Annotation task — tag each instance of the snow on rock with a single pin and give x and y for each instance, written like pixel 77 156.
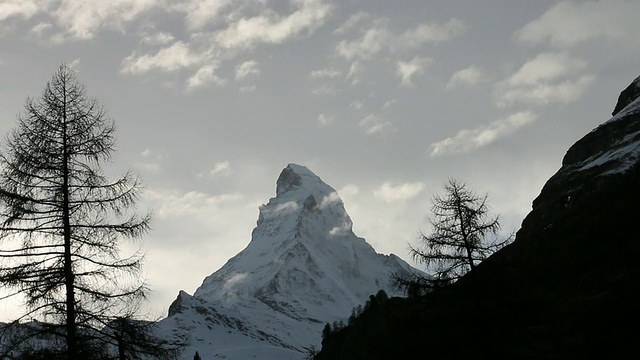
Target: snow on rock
pixel 304 267
pixel 614 146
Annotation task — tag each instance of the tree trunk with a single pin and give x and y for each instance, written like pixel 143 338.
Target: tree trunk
pixel 69 276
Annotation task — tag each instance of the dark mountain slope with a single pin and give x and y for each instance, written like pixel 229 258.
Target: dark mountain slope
pixel 567 288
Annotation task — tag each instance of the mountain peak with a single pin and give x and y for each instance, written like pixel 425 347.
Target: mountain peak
pixel 303 267
pixel 297 177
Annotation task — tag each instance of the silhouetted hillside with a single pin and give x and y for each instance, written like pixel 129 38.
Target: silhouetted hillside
pixel 566 288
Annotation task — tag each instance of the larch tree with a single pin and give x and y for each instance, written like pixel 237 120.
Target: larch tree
pixel 463 234
pixel 62 224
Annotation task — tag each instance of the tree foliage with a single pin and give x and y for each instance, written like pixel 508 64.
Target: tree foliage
pixel 63 222
pixel 463 234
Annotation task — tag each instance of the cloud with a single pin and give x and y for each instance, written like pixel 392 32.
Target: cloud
pixel 569 23
pixel 175 57
pixel 354 70
pixel 356 105
pixel 374 125
pixel 470 76
pixel 407 70
pixel 247 89
pixel 193 204
pixel 156 38
pixel 246 69
pixel 201 12
pixel 398 193
pixel 324 73
pixel 271 28
pixel 467 140
pixel 82 19
pixel 204 76
pixel 548 78
pixel 352 22
pixel 220 168
pixel 389 103
pixel 325 90
pixel 324 120
pixel 378 38
pixel 20 8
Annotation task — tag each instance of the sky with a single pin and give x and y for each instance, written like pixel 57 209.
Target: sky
pixel 384 100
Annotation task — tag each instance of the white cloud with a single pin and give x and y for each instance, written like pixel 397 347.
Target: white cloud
pixel 470 76
pixel 390 193
pixel 352 22
pixel 354 70
pixel 324 73
pixel 247 89
pixel 407 70
pixel 349 190
pixel 325 90
pixel 356 105
pixel 389 103
pixel 467 140
pixel 246 69
pixel 204 76
pixel 20 8
pixel 378 39
pixel 546 67
pixel 201 12
pixel 374 125
pixel 82 19
pixel 569 23
pixel 221 168
pixel 324 120
pixel 175 57
pixel 192 204
pixel 548 78
pixel 271 28
pixel 372 42
pixel 156 38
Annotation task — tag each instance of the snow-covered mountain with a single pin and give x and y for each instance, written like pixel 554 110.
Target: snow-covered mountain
pixel 304 267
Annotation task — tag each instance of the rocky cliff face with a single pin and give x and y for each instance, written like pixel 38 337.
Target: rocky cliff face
pixel 566 287
pixel 304 267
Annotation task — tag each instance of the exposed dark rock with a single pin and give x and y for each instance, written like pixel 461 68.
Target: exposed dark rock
pixel 627 96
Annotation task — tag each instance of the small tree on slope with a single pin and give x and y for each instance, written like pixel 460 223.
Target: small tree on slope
pixel 461 227
pixel 62 222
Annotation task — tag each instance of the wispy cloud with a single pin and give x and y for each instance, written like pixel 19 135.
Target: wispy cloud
pixel 376 125
pixel 20 8
pixel 390 193
pixel 174 57
pixel 220 168
pixel 324 120
pixel 206 75
pixel 171 204
pixel 379 38
pixel 271 28
pixel 548 78
pixel 352 22
pixel 156 38
pixel 246 69
pixel 83 19
pixel 408 70
pixel 568 23
pixel 324 73
pixel 199 13
pixel 468 140
pixel 470 76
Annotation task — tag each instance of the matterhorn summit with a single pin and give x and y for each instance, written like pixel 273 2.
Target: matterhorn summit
pixel 304 267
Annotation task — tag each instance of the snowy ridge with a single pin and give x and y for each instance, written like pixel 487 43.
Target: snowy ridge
pixel 304 267
pixel 625 152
